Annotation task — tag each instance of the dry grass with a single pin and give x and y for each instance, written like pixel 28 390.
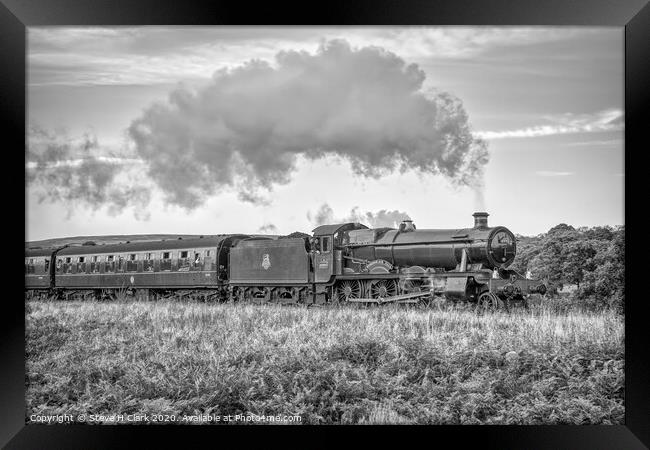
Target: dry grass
pixel 380 365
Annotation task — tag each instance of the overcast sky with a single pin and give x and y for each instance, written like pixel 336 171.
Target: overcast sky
pixel 207 130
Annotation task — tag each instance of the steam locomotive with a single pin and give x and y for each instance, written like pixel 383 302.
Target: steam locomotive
pixel 344 263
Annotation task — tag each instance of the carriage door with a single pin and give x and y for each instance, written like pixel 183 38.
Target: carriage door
pixel 323 259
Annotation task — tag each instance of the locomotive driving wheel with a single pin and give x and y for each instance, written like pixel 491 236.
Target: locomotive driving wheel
pixel 488 302
pixel 348 289
pixel 383 289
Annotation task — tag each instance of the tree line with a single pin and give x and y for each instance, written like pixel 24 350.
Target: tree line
pixel 591 259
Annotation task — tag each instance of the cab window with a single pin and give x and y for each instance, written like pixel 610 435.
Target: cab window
pixel 326 244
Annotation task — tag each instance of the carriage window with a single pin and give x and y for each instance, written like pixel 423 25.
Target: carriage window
pixel 110 263
pixel 132 265
pixel 147 264
pixel 68 260
pixel 184 261
pixel 94 266
pixel 81 264
pixel 207 253
pixel 47 264
pixel 166 263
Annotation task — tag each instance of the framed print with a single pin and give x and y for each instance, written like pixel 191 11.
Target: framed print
pixel 376 214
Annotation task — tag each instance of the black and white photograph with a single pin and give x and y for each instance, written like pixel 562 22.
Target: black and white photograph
pixel 325 225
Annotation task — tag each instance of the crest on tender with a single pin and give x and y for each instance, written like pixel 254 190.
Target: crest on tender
pixel 266 261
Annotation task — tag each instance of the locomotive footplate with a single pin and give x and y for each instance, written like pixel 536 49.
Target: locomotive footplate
pixel 404 298
pixel 368 276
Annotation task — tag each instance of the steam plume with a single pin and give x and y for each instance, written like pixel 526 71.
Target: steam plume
pixel 78 171
pixel 268 228
pixel 245 129
pixel 382 218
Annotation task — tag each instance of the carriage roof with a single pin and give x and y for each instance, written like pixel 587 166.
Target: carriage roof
pixel 143 246
pixel 37 251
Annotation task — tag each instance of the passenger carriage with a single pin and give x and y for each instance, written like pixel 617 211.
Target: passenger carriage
pixel 196 268
pixel 37 272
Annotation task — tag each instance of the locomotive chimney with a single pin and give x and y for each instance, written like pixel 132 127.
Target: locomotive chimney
pixel 480 219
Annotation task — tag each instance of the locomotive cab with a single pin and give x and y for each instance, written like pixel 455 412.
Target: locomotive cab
pixel 327 256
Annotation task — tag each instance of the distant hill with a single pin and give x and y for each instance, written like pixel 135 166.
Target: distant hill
pixel 107 239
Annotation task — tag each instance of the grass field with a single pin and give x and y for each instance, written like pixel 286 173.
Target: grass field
pixel 379 365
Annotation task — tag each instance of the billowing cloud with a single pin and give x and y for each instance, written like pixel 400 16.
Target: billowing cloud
pixel 382 218
pixel 606 120
pixel 245 129
pixel 79 172
pixel 599 143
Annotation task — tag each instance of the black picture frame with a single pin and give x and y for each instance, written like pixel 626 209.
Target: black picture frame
pixel 16 15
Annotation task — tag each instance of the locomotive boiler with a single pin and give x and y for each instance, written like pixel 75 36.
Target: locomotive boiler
pixel 474 248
